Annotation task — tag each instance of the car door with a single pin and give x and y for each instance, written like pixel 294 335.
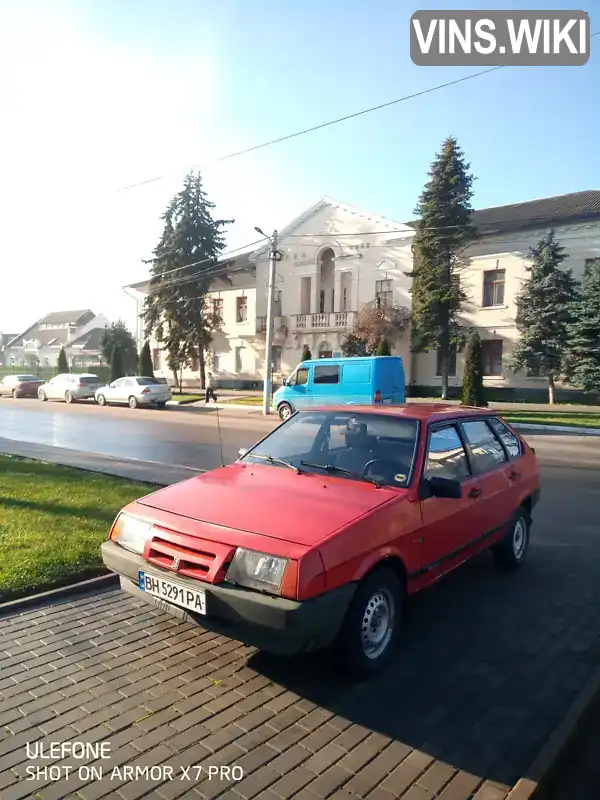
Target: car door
pixel 488 462
pixel 53 388
pixel 116 391
pixel 449 525
pixel 325 387
pixel 298 385
pixel 513 467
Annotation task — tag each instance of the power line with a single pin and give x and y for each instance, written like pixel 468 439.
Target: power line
pixel 328 124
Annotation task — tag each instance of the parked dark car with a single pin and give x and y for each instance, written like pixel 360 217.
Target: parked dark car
pixel 20 386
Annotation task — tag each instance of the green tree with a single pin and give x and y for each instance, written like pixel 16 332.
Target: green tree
pixel 63 364
pixel 145 366
pixel 544 313
pixel 117 369
pixel 353 345
pixel 306 354
pixel 582 364
pixel 383 348
pixel 177 310
pixel 443 232
pixel 118 336
pixel 473 392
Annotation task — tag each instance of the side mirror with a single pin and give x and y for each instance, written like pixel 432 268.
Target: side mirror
pixel 284 382
pixel 445 487
pixel 242 451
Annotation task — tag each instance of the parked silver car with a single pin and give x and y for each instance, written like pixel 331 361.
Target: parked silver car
pixel 20 386
pixel 135 391
pixel 70 387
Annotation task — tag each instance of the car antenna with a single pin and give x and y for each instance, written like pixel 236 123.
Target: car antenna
pixel 220 437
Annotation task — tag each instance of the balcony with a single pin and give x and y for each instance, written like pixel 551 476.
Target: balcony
pixel 280 330
pixel 332 321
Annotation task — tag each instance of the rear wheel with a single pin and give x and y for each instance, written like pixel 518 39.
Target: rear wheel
pixel 133 403
pixel 511 552
pixel 42 395
pixel 101 400
pixel 370 632
pixel 285 411
pixel 68 397
pixel 15 394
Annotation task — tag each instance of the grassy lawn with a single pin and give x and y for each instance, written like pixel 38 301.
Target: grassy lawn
pixel 575 419
pixel 52 522
pixel 253 400
pixel 187 398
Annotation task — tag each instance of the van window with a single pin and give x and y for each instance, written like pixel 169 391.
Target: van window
pixel 299 378
pixel 357 373
pixel 328 374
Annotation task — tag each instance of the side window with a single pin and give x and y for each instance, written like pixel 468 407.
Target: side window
pixel 301 377
pixel 508 439
pixel 328 374
pixel 119 383
pixel 487 450
pixel 446 457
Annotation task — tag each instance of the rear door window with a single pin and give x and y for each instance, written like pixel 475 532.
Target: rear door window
pixel 486 450
pixel 329 374
pixel 508 439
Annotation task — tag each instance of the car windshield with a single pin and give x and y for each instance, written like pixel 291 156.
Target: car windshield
pixel 147 381
pixel 376 447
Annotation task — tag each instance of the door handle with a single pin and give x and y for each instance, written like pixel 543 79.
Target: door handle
pixel 514 475
pixel 475 492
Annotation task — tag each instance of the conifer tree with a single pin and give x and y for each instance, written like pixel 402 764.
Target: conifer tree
pixel 582 364
pixel 473 392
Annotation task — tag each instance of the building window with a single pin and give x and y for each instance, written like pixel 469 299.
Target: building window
pixel 345 298
pixel 384 293
pixel 493 287
pixel 215 361
pixel 276 362
pixel 322 301
pixel 195 364
pixel 241 309
pixel 492 356
pixel 238 359
pixel 156 358
pixel 451 361
pixel 218 307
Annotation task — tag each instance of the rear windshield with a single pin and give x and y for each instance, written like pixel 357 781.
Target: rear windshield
pixel 87 379
pixel 147 381
pixel 25 378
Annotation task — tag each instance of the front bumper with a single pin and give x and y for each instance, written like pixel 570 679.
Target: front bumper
pixel 273 624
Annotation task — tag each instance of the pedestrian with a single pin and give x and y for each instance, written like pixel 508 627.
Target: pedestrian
pixel 210 392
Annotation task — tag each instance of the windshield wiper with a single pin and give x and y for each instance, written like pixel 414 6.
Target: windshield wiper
pixel 332 468
pixel 272 460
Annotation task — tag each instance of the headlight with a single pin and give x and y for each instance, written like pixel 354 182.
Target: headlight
pixel 131 533
pixel 256 570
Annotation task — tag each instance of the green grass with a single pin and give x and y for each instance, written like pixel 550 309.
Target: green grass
pixel 581 419
pixel 52 522
pixel 187 398
pixel 253 400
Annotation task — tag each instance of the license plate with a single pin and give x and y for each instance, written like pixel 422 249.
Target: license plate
pixel 172 592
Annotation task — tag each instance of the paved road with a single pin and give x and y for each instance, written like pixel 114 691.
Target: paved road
pixel 183 437
pixel 490 665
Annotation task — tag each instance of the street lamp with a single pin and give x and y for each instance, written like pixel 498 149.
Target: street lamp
pixel 274 256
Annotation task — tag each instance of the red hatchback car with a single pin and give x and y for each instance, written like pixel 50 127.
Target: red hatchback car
pixel 317 534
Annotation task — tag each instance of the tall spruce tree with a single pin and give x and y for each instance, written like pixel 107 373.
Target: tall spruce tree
pixel 117 369
pixel 383 348
pixel 443 231
pixel 145 366
pixel 473 392
pixel 63 363
pixel 118 335
pixel 582 365
pixel 177 310
pixel 545 308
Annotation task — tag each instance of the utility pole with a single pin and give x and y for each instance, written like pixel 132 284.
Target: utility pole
pixel 274 256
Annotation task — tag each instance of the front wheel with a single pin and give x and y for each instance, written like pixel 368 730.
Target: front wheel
pixel 133 403
pixel 68 397
pixel 511 552
pixel 285 411
pixel 15 394
pixel 101 400
pixel 42 395
pixel 370 632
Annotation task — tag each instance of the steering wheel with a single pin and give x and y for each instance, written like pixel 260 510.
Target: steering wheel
pixel 393 465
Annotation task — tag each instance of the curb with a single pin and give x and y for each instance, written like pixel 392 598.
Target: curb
pixel 72 588
pixel 539 428
pixel 548 759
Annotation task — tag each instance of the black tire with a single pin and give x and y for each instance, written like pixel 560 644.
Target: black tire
pixel 285 411
pixel 101 400
pixel 42 396
pixel 69 397
pixel 511 552
pixel 352 643
pixel 162 404
pixel 132 402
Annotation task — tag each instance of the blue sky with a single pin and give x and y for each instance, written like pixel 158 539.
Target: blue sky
pixel 103 93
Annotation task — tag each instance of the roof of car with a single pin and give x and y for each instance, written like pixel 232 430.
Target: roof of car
pixel 421 411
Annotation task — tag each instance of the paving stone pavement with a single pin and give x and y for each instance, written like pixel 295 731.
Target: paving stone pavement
pixel 490 664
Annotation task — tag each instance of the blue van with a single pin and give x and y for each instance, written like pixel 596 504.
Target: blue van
pixel 341 381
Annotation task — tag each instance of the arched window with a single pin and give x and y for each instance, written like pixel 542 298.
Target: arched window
pixel 325 350
pixel 326 280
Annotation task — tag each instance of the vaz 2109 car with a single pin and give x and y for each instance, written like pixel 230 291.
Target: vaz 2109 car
pixel 316 535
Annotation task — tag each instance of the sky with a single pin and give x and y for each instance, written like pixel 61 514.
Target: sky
pixel 96 95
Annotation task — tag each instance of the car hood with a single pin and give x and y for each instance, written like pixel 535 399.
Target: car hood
pixel 271 501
